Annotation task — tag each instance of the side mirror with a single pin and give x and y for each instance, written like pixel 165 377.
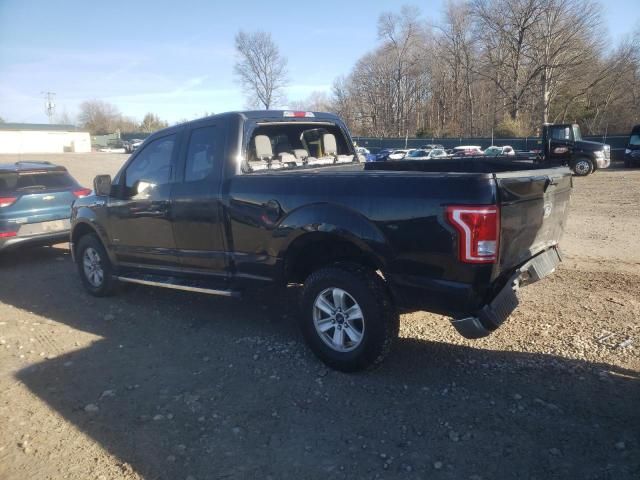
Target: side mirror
pixel 102 185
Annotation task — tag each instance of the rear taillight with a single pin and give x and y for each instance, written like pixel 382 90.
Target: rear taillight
pixel 6 201
pixel 82 192
pixel 8 234
pixel 478 232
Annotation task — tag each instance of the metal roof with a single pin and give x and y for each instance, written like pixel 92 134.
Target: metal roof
pixel 38 127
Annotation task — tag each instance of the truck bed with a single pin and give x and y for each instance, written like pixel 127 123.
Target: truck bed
pixel 457 165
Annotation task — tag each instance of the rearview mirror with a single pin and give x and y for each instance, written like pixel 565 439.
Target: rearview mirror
pixel 102 185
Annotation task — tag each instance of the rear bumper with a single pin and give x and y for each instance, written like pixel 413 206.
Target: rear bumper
pixel 494 314
pixel 34 240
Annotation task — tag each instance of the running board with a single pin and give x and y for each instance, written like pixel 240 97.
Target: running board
pixel 178 286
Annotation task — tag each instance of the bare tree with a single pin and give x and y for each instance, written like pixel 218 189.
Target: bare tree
pixel 63 118
pixel 456 47
pixel 492 65
pixel 315 102
pixel 403 38
pixel 506 28
pixel 99 117
pixel 261 69
pixel 151 122
pixel 567 36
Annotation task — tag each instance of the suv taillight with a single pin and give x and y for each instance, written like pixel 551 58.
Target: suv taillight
pixel 478 232
pixel 7 201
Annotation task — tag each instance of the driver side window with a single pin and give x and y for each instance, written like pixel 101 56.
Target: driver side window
pixel 152 166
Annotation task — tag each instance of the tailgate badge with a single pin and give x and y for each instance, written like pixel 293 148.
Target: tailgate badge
pixel 48 197
pixel 547 209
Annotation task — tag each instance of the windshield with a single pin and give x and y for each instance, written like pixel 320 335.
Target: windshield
pixel 634 140
pixel 417 153
pixel 576 133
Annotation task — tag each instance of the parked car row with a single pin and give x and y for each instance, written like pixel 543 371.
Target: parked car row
pixel 120 146
pixel 436 151
pixel 559 144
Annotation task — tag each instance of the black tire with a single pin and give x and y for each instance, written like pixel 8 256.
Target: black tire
pixel 582 167
pixel 91 243
pixel 380 319
pixel 627 163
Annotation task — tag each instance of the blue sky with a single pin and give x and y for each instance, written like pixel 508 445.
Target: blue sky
pixel 176 58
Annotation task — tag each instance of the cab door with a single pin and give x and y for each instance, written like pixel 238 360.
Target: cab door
pixel 560 144
pixel 197 211
pixel 140 211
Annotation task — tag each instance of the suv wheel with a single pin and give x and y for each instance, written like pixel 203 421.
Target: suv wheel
pixel 348 319
pixel 94 266
pixel 582 167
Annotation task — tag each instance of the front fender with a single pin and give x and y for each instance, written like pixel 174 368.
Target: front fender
pixel 338 221
pixel 83 217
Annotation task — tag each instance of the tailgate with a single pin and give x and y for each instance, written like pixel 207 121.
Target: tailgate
pixel 533 212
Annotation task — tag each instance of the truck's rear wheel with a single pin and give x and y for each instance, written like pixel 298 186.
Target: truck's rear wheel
pixel 582 167
pixel 94 266
pixel 348 319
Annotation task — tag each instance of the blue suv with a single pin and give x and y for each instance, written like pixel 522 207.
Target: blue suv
pixel 35 203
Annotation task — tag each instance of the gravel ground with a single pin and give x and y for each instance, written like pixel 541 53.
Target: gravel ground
pixel 158 384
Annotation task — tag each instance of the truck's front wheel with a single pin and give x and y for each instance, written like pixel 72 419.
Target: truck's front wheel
pixel 94 266
pixel 348 318
pixel 582 167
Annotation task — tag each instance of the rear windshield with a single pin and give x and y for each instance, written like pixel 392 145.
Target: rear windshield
pixel 296 145
pixel 12 182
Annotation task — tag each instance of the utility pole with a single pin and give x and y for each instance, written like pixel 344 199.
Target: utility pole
pixel 49 105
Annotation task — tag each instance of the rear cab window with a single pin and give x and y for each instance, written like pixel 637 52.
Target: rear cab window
pixel 203 154
pixel 295 145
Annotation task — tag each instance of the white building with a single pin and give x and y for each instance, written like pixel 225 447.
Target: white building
pixel 42 138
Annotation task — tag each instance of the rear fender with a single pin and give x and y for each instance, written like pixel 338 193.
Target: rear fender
pixel 339 222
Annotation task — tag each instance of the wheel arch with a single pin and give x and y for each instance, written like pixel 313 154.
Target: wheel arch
pixel 320 234
pixel 84 227
pixel 311 251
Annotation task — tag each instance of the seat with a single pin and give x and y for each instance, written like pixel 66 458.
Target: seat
pixel 329 144
pixel 263 148
pixel 300 153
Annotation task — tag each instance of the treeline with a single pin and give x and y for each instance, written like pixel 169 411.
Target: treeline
pixel 99 117
pixel 490 65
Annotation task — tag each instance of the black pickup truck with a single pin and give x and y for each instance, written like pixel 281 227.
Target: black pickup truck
pixel 245 200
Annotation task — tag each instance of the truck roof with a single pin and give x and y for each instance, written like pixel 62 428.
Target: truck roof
pixel 258 115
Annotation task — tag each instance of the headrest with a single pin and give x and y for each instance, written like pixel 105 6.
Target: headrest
pixel 329 142
pixel 263 147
